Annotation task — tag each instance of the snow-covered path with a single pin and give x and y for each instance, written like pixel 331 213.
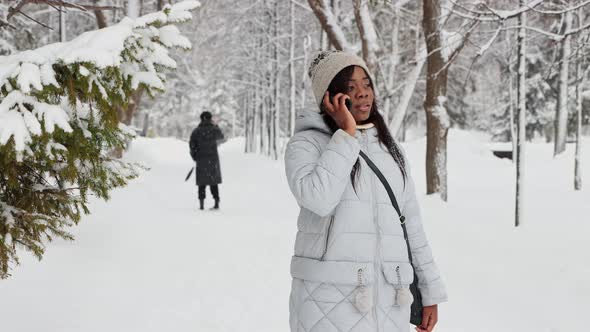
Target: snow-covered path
pixel 148 260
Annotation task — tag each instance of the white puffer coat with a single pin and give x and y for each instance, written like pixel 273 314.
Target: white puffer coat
pixel 350 256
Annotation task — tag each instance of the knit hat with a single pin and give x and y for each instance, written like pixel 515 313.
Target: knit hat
pixel 326 65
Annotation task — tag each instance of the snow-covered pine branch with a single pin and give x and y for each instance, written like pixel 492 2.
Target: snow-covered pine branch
pixel 118 58
pixel 58 122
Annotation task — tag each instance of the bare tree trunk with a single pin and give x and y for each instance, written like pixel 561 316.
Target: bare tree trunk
pixel 277 83
pixel 511 109
pixel 133 8
pixel 578 167
pixel 132 106
pixel 368 35
pixel 401 109
pixel 247 121
pixel 146 124
pixel 292 69
pixel 62 25
pixel 521 95
pixel 323 38
pixel 328 21
pixel 581 80
pixel 233 122
pixel 101 20
pixel 256 116
pixel 262 124
pixel 562 100
pixel 306 46
pixel 268 122
pixel 437 120
pixel 256 110
pixel 394 62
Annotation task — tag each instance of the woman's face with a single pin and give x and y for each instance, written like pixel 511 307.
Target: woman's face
pixel 361 94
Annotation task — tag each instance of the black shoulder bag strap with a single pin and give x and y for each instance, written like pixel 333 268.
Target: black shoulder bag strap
pixel 416 312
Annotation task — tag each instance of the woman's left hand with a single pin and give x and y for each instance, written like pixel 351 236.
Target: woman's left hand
pixel 429 318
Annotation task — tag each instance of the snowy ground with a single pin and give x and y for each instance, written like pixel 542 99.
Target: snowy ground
pixel 148 260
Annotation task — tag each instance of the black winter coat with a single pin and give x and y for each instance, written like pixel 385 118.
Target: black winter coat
pixel 203 148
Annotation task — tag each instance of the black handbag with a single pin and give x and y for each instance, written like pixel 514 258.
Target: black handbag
pixel 416 307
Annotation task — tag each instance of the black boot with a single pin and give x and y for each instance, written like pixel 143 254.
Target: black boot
pixel 216 206
pixel 202 204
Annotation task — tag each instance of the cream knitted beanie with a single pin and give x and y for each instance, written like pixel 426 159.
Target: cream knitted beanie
pixel 326 66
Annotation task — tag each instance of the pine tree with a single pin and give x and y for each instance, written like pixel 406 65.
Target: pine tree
pixel 58 123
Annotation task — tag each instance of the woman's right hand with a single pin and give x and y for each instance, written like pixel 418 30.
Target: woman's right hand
pixel 339 112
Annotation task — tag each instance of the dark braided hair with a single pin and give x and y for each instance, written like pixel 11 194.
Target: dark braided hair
pixel 339 85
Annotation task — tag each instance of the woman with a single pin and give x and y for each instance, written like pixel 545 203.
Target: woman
pixel 351 270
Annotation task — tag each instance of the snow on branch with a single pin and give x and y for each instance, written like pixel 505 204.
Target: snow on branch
pixel 490 14
pixel 64 4
pixel 56 4
pixel 485 13
pixel 367 32
pixel 329 23
pixel 34 91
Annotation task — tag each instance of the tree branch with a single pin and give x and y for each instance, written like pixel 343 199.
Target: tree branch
pixel 496 13
pixel 5 23
pixel 30 18
pixel 559 12
pixel 67 4
pixel 53 3
pixel 330 26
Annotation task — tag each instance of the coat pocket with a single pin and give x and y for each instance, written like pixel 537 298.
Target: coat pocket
pixel 399 276
pixel 327 237
pixel 330 285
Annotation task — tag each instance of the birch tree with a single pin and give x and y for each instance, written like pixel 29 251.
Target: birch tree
pixel 561 115
pixel 581 80
pixel 521 119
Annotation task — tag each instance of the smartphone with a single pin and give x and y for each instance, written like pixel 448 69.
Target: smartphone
pixel 347 102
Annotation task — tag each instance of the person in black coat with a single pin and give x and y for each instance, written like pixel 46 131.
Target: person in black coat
pixel 203 149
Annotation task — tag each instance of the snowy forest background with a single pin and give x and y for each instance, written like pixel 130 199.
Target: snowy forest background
pixel 249 60
pixel 98 99
pixel 516 71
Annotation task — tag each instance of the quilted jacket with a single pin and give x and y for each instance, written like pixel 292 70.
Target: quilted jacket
pixel 350 256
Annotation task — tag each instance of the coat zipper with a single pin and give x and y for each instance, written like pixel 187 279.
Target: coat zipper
pixel 327 237
pixel 377 257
